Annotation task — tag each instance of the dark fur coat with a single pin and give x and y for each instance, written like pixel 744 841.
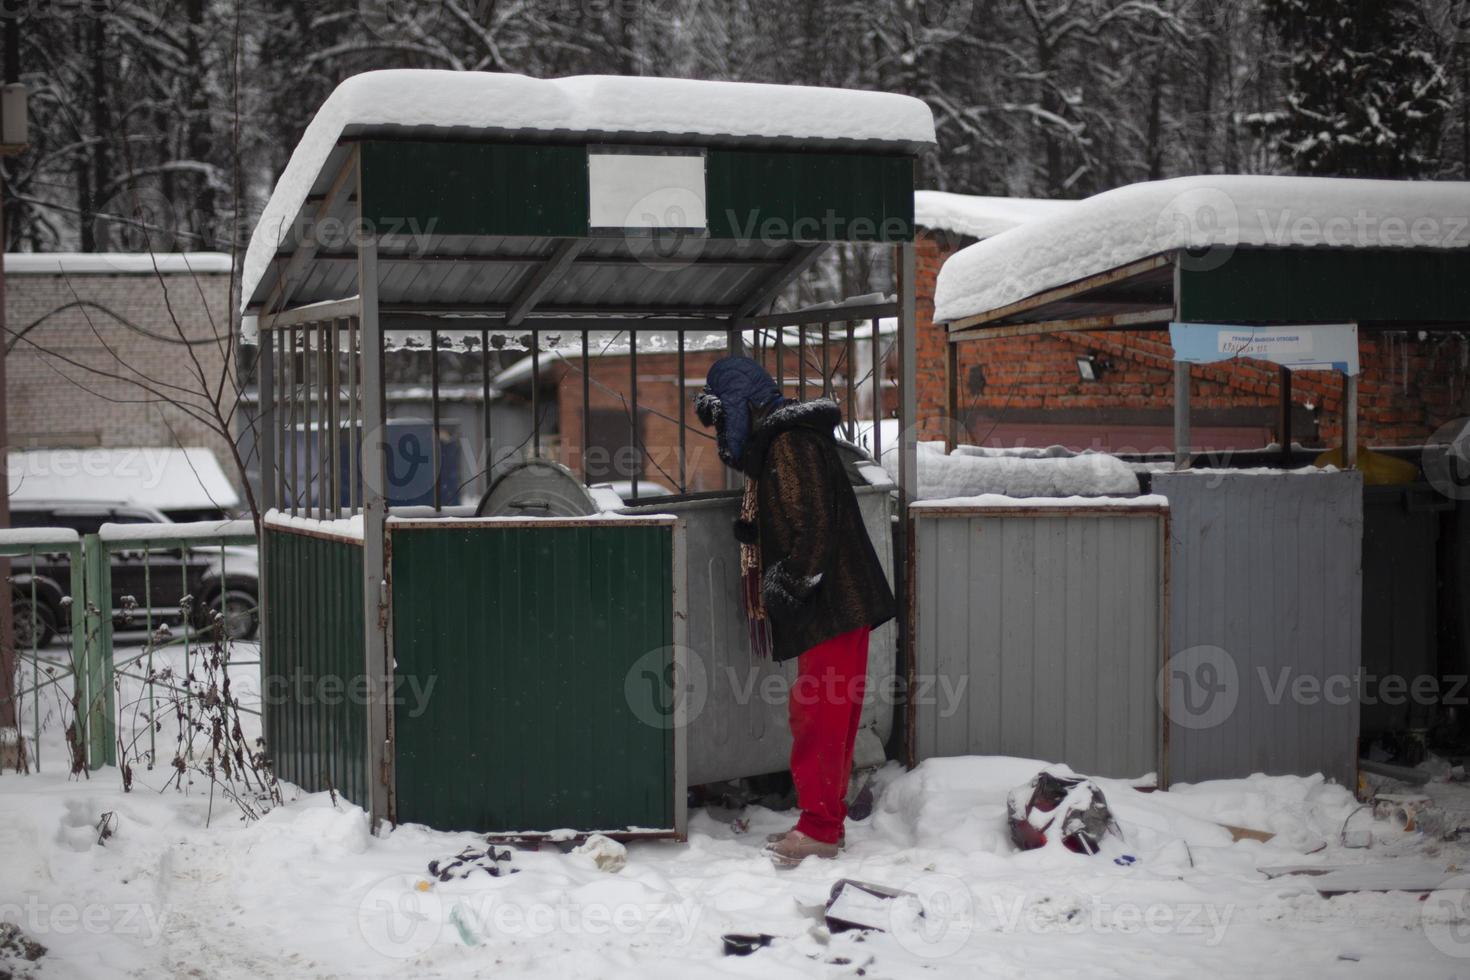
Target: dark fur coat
pixel 821 577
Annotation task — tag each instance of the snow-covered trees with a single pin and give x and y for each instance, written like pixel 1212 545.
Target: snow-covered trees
pixel 1367 98
pixel 165 122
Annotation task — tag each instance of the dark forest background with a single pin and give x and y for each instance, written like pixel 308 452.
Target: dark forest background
pixel 163 123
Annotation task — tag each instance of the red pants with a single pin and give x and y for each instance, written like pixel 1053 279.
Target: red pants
pixel 826 705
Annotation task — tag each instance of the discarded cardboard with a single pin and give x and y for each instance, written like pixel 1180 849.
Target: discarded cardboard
pixel 1246 833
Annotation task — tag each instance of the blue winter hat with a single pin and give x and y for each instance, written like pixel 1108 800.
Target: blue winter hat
pixel 734 386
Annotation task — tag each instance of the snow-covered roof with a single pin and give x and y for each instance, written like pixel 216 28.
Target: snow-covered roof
pixel 1131 223
pixel 602 105
pixel 116 263
pixel 166 478
pixel 979 216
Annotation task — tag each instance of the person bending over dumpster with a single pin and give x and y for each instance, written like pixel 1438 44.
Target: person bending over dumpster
pixel 813 585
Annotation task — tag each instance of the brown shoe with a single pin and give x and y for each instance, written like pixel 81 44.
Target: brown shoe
pixel 796 847
pixel 781 835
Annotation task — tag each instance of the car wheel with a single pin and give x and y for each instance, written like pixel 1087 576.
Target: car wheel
pixel 31 630
pixel 241 619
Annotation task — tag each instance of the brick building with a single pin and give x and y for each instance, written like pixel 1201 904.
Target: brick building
pixel 1030 390
pixel 100 344
pixel 616 453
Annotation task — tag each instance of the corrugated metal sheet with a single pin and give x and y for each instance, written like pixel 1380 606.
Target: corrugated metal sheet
pixel 1039 634
pixel 528 636
pixel 741 728
pixel 1265 622
pixel 315 717
pixel 1400 611
pixel 431 201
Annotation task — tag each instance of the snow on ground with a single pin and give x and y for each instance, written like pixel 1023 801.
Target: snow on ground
pixel 1218 212
pixel 308 891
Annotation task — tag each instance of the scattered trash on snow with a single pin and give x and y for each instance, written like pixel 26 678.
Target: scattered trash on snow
pixel 738 944
pixel 1246 833
pixel 490 860
pixel 862 905
pixel 607 854
pixel 1072 803
pixel 17 951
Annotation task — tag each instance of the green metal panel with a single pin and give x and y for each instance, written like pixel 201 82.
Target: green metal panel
pixel 475 188
pixel 98 700
pixel 810 196
pixel 1329 285
pixel 527 635
pixel 314 682
pixel 531 189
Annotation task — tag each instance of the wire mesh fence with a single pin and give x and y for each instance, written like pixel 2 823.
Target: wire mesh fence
pixel 115 631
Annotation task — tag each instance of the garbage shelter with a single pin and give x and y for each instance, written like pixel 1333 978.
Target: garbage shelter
pixel 1162 641
pixel 526 671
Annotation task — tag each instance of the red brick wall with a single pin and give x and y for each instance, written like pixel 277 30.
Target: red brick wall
pixel 659 392
pixel 1409 387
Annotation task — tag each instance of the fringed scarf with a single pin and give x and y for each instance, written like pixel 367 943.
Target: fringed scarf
pixel 750 577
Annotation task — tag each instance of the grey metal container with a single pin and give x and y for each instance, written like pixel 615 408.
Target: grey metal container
pixel 1264 636
pixel 737 704
pixel 1040 632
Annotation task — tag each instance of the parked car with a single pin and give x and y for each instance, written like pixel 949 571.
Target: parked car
pixel 157 585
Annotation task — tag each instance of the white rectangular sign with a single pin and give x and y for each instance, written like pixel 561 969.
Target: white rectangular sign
pixel 1311 347
pixel 646 190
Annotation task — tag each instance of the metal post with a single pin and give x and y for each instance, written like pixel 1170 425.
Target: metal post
pixel 434 413
pixel 877 394
pixel 586 406
pixel 486 446
pixel 1283 423
pixel 682 394
pixel 850 364
pixel 826 359
pixel 148 625
pixel 97 653
pixel 801 362
pixel 781 359
pixel 1181 415
pixel 634 441
pixel 80 671
pixel 951 394
pixel 354 418
pixel 334 416
pixel 308 408
pixel 908 476
pixel 536 394
pixel 278 338
pixel 378 658
pixel 296 448
pixel 265 422
pixel 1350 421
pixel 322 386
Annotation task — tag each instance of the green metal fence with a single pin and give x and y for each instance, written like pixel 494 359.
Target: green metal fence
pixel 514 644
pixel 85 613
pixel 315 695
